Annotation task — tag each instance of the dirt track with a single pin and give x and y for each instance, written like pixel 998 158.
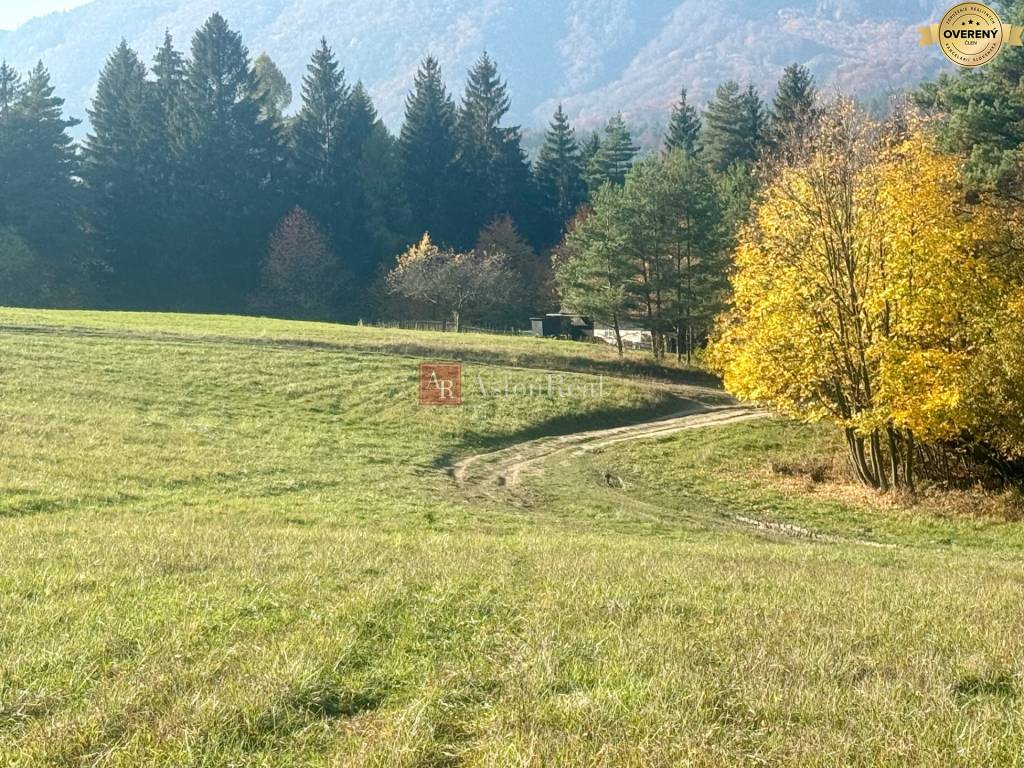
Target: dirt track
pixel 504 467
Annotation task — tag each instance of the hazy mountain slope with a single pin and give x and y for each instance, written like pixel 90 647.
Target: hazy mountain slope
pixel 597 56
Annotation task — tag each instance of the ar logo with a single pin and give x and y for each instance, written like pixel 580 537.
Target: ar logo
pixel 440 384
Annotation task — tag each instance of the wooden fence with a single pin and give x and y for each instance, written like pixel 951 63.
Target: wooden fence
pixel 437 325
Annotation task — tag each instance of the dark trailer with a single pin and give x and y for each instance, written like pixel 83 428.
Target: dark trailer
pixel 561 326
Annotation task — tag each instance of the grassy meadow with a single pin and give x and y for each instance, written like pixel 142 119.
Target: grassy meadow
pixel 234 542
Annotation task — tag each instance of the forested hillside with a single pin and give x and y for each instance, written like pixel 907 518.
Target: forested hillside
pixel 597 57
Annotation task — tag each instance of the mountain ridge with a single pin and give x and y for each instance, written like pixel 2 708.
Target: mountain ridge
pixel 596 58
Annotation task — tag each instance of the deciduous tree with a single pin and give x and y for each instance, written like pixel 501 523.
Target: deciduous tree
pixel 865 293
pixel 459 285
pixel 299 276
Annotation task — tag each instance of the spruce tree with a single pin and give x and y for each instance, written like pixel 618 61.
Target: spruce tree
pixel 794 109
pixel 166 125
pixel 10 95
pixel 40 197
pixel 231 157
pixel 755 120
pixel 384 213
pixel 614 157
pixel 10 89
pixel 493 175
pixel 559 175
pixel 683 128
pixel 734 126
pixel 588 149
pixel 362 116
pixel 376 186
pixel 116 168
pixel 323 174
pixel 427 146
pixel 169 71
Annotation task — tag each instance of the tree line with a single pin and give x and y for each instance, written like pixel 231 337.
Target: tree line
pixel 192 190
pixel 653 251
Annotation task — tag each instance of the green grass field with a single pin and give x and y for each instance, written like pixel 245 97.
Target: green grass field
pixel 233 542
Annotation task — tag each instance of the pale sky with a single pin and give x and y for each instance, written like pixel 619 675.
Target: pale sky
pixel 16 12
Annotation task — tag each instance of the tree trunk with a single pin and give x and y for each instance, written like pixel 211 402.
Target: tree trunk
pixel 689 338
pixel 908 461
pixel 618 334
pixel 894 456
pixel 876 462
pixel 859 459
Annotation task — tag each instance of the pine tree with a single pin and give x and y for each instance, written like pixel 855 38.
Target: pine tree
pixel 231 157
pixel 697 242
pixel 427 146
pixel 592 270
pixel 614 157
pixel 794 109
pixel 559 174
pixel 683 128
pixel 117 170
pixel 981 115
pixel 734 126
pixel 493 175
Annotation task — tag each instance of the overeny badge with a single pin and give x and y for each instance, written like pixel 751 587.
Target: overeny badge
pixel 970 34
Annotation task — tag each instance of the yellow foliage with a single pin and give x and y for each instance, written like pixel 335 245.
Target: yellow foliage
pixel 871 291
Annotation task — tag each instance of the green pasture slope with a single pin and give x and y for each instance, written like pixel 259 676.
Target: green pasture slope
pixel 233 542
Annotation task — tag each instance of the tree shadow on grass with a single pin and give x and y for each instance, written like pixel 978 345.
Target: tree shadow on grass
pixel 538 359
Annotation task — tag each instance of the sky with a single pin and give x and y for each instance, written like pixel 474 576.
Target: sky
pixel 16 12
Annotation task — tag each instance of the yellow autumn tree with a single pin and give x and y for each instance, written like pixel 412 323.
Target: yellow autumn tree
pixel 865 291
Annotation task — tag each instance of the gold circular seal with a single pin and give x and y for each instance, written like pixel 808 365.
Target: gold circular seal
pixel 970 34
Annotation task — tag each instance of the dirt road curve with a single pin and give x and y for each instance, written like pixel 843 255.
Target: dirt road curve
pixel 504 467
